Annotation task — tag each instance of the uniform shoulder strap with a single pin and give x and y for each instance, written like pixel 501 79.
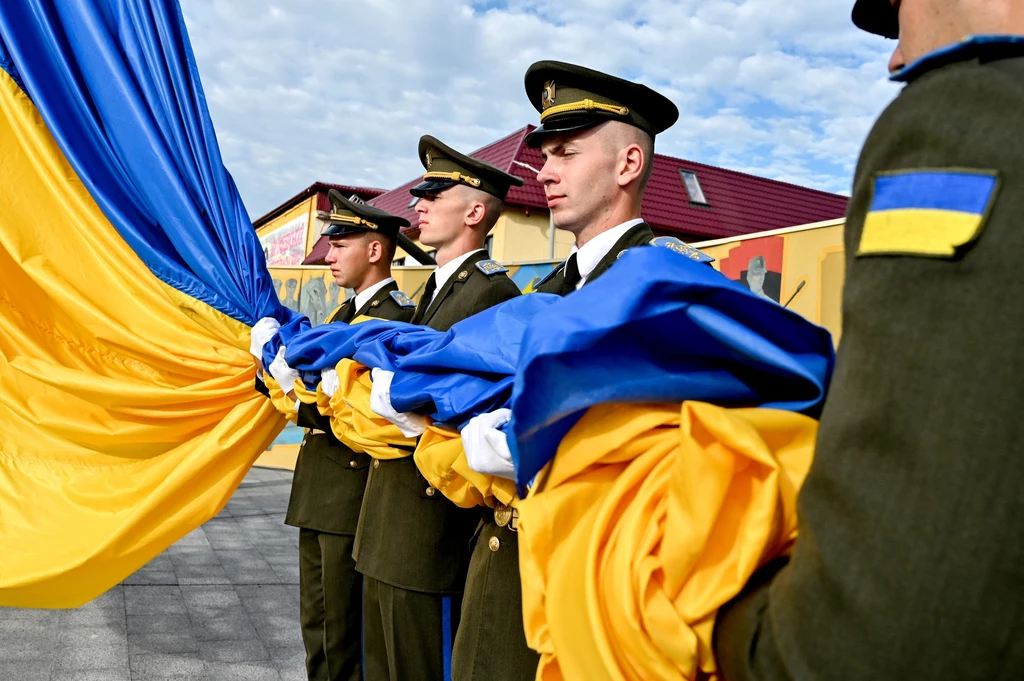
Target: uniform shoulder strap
pixel 490 267
pixel 402 299
pixel 674 244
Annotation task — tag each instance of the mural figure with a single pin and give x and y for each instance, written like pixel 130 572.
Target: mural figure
pixel 313 300
pixel 756 277
pixel 291 298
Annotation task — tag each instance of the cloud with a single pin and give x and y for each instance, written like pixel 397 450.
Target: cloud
pixel 338 91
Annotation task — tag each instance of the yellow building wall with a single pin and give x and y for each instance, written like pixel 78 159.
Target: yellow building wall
pixel 805 267
pixel 522 237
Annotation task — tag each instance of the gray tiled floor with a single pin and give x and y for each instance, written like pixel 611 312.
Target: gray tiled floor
pixel 220 604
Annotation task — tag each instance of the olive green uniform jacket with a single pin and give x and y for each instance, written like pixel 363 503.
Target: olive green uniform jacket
pixel 410 536
pixel 329 480
pixel 910 560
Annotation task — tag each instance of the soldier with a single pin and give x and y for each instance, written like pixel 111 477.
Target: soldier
pixel 597 139
pixel 327 489
pixel 413 545
pixel 910 560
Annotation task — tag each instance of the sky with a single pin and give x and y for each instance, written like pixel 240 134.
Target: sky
pixel 341 91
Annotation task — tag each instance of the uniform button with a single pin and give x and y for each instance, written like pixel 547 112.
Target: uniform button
pixel 353 463
pixel 376 463
pixel 494 543
pixel 430 491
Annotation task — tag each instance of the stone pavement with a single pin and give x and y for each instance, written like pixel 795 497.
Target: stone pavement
pixel 220 604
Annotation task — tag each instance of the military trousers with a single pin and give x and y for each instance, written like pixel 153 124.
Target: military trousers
pixel 407 634
pixel 491 642
pixel 330 606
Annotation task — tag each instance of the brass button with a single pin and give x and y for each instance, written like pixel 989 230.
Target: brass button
pixel 463 274
pixel 430 491
pixel 376 463
pixel 353 463
pixel 494 543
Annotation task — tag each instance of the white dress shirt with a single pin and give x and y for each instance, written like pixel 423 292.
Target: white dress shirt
pixel 444 273
pixel 368 293
pixel 592 252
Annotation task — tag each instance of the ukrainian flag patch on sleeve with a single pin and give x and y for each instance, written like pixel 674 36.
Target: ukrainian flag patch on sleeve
pixel 927 212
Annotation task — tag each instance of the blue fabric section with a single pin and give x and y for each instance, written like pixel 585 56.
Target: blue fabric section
pixel 660 328
pixel 8 65
pixel 657 327
pixel 450 375
pixel 446 629
pixel 970 48
pixel 116 83
pixel 934 189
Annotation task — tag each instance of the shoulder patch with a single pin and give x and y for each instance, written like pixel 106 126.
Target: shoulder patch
pixel 928 212
pixel 674 244
pixel 490 267
pixel 402 299
pixel 558 268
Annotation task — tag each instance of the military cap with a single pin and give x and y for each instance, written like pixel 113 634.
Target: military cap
pixel 447 168
pixel 571 97
pixel 878 17
pixel 348 217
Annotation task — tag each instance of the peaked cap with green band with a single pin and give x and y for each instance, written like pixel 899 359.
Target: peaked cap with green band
pixel 447 168
pixel 348 217
pixel 878 17
pixel 571 97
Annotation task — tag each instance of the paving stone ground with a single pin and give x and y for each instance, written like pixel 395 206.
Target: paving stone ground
pixel 221 604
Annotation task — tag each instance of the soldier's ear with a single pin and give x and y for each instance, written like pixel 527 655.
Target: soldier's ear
pixel 376 251
pixel 475 213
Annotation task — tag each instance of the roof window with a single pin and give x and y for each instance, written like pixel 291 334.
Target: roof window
pixel 692 183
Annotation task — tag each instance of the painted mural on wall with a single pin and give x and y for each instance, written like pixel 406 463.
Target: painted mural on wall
pixel 286 245
pixel 311 291
pixel 802 269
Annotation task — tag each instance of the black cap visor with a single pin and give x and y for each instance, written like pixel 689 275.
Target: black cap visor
pixel 431 187
pixel 564 125
pixel 878 17
pixel 338 230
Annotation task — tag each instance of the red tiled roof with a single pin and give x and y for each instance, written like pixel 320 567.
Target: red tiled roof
pixel 737 203
pixel 322 202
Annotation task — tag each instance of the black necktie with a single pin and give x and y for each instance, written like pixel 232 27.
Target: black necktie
pixel 349 313
pixel 425 299
pixel 571 274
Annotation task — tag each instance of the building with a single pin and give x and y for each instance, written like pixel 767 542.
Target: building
pixel 688 200
pixel 285 231
pixel 692 201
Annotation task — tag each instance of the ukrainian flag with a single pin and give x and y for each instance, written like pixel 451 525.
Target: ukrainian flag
pixel 130 276
pixel 927 212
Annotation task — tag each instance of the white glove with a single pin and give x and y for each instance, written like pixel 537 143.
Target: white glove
pixel 282 373
pixel 486 447
pixel 262 332
pixel 410 423
pixel 329 382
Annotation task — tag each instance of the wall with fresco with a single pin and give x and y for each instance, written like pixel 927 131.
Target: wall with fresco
pixel 801 267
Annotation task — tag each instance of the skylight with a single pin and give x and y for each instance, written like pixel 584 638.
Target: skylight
pixel 692 183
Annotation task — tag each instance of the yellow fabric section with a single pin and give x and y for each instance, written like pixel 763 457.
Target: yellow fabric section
pixel 279 398
pixel 442 461
pixel 648 520
pixel 127 412
pixel 915 231
pixel 355 423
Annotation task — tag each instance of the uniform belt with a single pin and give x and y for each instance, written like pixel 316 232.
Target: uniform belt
pixel 506 516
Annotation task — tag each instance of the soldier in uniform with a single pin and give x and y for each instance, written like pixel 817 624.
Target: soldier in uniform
pixel 413 545
pixel 597 139
pixel 327 489
pixel 910 559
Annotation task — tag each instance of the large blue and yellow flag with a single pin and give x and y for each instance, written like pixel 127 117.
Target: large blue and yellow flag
pixel 129 278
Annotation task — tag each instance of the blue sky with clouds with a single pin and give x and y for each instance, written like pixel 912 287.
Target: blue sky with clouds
pixel 341 91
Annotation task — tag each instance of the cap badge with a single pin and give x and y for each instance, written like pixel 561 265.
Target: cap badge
pixel 429 160
pixel 547 97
